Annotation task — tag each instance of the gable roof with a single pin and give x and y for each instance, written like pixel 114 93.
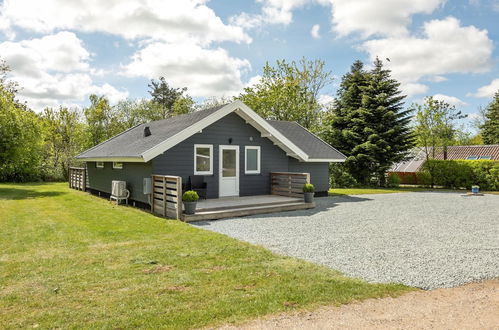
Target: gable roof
pixel 418 157
pixel 132 146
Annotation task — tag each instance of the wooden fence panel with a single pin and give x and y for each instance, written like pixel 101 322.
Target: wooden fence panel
pixel 167 196
pixel 77 178
pixel 288 184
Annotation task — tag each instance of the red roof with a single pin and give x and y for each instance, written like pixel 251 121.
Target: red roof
pixel 465 152
pixel 453 152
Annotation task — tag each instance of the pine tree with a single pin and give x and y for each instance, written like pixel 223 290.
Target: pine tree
pixel 368 123
pixel 388 134
pixel 490 128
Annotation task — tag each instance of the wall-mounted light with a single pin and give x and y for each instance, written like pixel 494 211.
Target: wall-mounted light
pixel 251 138
pixel 230 140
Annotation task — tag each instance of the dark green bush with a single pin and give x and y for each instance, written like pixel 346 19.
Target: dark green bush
pixel 461 173
pixel 340 178
pixel 394 179
pixel 308 187
pixel 190 196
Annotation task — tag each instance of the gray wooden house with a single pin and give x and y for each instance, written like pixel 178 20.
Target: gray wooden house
pixel 234 150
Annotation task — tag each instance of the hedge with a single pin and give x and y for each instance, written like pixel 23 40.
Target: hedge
pixel 461 173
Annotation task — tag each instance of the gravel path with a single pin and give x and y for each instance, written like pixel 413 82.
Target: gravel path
pixel 472 306
pixel 426 240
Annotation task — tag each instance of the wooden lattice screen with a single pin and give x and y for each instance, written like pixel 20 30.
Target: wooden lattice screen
pixel 167 196
pixel 77 178
pixel 288 184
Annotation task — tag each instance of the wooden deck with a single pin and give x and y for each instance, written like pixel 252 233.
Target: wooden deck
pixel 228 207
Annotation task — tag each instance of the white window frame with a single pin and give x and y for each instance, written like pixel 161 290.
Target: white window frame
pixel 116 166
pixel 99 164
pixel 209 146
pixel 258 159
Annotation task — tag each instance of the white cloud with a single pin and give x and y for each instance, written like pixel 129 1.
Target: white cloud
pixel 171 21
pixel 206 72
pixel 452 100
pixel 315 31
pixel 366 17
pixel 445 47
pixel 325 99
pixel 255 80
pixel 411 89
pixel 474 116
pixel 62 52
pixel 53 70
pixel 436 78
pixel 273 12
pixel 487 91
pixel 381 17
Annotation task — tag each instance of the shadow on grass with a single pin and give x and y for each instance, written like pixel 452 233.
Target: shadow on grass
pixel 321 204
pixel 18 194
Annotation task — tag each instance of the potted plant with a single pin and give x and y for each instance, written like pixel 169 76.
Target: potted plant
pixel 308 192
pixel 190 199
pixel 475 189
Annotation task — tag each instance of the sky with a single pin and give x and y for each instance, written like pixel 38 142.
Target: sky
pixel 61 51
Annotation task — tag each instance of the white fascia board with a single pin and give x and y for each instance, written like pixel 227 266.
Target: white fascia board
pixel 247 114
pixel 253 116
pixel 188 132
pixel 319 160
pixel 113 159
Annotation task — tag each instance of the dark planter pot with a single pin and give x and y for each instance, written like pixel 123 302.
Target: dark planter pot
pixel 190 207
pixel 309 197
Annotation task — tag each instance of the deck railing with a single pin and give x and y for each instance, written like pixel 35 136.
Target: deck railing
pixel 77 178
pixel 288 184
pixel 166 199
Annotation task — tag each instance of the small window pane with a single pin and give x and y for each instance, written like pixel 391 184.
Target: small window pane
pixel 486 157
pixel 229 163
pixel 117 165
pixel 252 159
pixel 99 164
pixel 472 158
pixel 203 159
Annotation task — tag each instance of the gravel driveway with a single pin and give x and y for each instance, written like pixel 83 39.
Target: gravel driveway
pixel 427 240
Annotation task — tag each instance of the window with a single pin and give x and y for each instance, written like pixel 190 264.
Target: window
pixel 486 157
pixel 252 163
pixel 203 159
pixel 117 165
pixel 472 158
pixel 99 164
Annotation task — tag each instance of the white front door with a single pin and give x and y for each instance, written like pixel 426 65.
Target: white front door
pixel 229 171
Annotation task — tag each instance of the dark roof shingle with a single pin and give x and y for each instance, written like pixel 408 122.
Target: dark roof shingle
pixel 312 145
pixel 133 143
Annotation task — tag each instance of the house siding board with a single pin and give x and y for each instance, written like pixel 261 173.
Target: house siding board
pixel 179 160
pixel 100 179
pixel 319 173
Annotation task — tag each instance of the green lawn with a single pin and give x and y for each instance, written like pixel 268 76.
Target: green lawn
pixel 73 260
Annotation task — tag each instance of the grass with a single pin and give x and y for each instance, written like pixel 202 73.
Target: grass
pixel 71 260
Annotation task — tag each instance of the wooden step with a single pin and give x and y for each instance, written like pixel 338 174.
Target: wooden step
pixel 240 206
pixel 244 211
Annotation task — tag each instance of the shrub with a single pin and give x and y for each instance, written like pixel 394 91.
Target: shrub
pixel 341 178
pixel 190 196
pixel 308 188
pixel 462 173
pixel 394 179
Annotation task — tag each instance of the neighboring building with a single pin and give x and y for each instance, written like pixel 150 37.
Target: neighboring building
pixel 232 147
pixel 407 169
